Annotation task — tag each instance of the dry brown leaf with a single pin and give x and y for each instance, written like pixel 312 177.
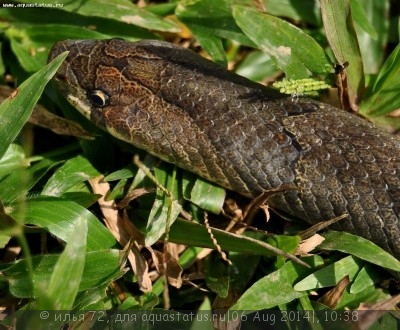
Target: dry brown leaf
pixel 123 231
pixel 308 245
pixel 132 195
pixel 333 296
pixel 320 226
pixel 167 265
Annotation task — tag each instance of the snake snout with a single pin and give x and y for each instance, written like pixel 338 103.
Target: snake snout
pixel 59 48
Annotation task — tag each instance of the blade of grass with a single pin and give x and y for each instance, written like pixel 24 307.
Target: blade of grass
pixel 16 110
pixel 293 51
pixel 339 28
pixel 359 247
pixel 384 96
pixel 67 274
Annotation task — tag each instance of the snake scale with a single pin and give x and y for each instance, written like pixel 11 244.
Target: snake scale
pixel 239 134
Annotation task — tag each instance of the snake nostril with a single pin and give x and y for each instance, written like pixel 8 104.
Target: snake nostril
pixel 98 98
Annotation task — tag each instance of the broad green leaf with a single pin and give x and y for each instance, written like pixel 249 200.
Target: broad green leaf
pixel 74 171
pixel 339 28
pixel 124 173
pixel 59 217
pixel 372 28
pixel 353 300
pixel 304 10
pixel 384 96
pixel 359 247
pixel 293 51
pixel 210 21
pixel 43 266
pixel 31 44
pixel 275 288
pixel 54 24
pixel 119 190
pixel 228 241
pixel 217 275
pixel 207 195
pixel 67 274
pixel 204 321
pixel 165 208
pixel 83 198
pixel 361 18
pixel 88 299
pixel 212 17
pixel 15 111
pixel 21 181
pixel 366 277
pixel 244 266
pixel 212 45
pixel 121 10
pixel 331 275
pixel 13 159
pixel 4 240
pixel 256 66
pixel 162 9
pixel 140 178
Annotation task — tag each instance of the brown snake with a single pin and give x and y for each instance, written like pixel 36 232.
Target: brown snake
pixel 241 135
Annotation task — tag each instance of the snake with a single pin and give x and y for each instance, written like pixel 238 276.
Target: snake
pixel 321 161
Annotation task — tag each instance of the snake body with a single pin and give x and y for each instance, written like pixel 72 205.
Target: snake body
pixel 239 134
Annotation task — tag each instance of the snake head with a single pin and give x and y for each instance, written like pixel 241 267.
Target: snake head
pixel 143 93
pixel 114 83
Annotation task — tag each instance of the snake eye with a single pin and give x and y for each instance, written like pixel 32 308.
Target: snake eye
pixel 98 98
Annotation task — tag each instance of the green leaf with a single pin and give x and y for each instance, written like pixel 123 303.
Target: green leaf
pixel 275 288
pixel 83 198
pixel 211 20
pixel 204 321
pixel 359 247
pixel 74 171
pixel 4 240
pixel 304 10
pixel 59 217
pixel 125 173
pixel 361 18
pixel 293 51
pixel 166 208
pixel 212 45
pixel 244 266
pixel 366 277
pixel 93 298
pixel 372 28
pixel 217 275
pixel 199 236
pixel 256 66
pixel 353 300
pixel 384 96
pixel 331 275
pixel 67 274
pixel 20 181
pixel 206 195
pixel 31 44
pixel 15 111
pixel 121 10
pixel 43 266
pixel 212 17
pixel 13 159
pixel 339 28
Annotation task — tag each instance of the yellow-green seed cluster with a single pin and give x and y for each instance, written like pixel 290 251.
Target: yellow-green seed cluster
pixel 307 86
